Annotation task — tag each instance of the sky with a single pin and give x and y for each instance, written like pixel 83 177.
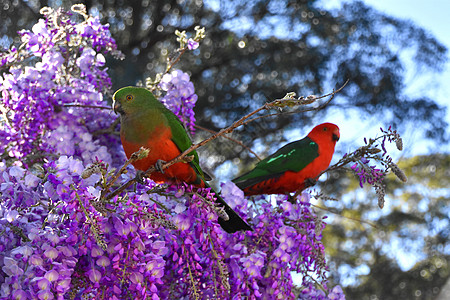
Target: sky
pixel 433 16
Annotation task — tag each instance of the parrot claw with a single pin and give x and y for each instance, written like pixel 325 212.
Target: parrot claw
pixel 292 199
pixel 158 165
pixel 309 182
pixel 140 177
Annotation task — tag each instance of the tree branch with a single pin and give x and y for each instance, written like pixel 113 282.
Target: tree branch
pixel 229 138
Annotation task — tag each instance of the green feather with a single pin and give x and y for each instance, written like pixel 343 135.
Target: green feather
pixel 182 140
pixel 294 157
pixel 145 113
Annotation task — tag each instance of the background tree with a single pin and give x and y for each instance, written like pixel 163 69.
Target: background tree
pixel 257 51
pixel 413 231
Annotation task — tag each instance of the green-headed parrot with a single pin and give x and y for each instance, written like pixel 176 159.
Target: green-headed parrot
pixel 146 122
pixel 288 169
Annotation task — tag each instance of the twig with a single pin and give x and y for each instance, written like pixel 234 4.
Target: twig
pixel 331 95
pixel 241 121
pixel 140 154
pixel 175 61
pixel 152 85
pixel 358 153
pixel 152 169
pixel 87 106
pixel 350 218
pixel 231 139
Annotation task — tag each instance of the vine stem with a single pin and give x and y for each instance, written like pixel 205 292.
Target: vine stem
pixel 191 277
pixel 175 61
pixel 134 157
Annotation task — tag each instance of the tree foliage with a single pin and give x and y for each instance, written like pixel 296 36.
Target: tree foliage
pixel 407 255
pixel 257 51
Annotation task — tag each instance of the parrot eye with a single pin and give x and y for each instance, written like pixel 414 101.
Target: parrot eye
pixel 129 97
pixel 325 128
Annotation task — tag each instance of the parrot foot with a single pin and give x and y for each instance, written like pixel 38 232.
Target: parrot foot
pixel 292 199
pixel 309 182
pixel 140 176
pixel 158 165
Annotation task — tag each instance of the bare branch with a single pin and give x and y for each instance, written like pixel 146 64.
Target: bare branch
pixel 140 154
pixel 350 218
pixel 87 106
pixel 323 105
pixel 231 139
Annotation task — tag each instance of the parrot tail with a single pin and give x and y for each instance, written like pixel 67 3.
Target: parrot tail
pixel 234 222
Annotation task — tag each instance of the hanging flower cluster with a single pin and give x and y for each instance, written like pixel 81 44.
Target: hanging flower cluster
pixel 180 97
pixel 62 238
pixel 371 174
pixel 59 68
pixel 286 239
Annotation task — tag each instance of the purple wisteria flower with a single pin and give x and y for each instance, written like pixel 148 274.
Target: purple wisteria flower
pixel 35 98
pixel 62 238
pixel 192 45
pixel 371 174
pixel 366 173
pixel 180 97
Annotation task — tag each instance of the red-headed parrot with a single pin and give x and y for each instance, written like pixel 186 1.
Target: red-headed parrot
pixel 286 170
pixel 146 122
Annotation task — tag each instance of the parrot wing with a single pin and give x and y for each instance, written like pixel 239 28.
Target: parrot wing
pixel 293 157
pixel 183 142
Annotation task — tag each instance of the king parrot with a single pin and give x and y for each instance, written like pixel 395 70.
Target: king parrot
pixel 289 169
pixel 146 122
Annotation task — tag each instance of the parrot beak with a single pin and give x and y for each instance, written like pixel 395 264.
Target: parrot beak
pixel 117 108
pixel 336 135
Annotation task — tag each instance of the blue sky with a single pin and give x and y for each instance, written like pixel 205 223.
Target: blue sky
pixel 433 16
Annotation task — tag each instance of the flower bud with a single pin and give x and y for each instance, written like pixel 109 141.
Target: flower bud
pixel 398 172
